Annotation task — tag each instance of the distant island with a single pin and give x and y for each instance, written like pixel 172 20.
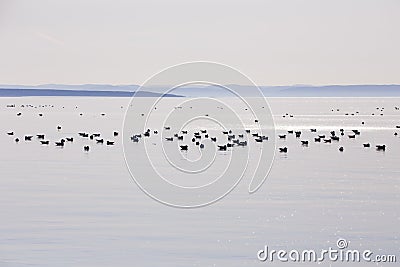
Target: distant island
pixel 105 90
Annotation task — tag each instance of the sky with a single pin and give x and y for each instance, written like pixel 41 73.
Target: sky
pixel 282 42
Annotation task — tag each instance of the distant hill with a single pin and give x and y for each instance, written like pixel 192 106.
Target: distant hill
pixel 91 93
pixel 202 90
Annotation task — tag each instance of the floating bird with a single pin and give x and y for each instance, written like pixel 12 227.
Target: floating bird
pixel 335 138
pixel 86 148
pixel 298 133
pixel 110 143
pixel 304 142
pixel 10 133
pixel 283 149
pixel 169 139
pixel 352 136
pixel 45 142
pixel 243 143
pixel 341 149
pixel 115 133
pixel 69 139
pixel 61 143
pixel 381 147
pixel 222 148
pixel 282 136
pixel 184 147
pixel 366 144
pixel 28 137
pixel 134 139
pixel 40 136
pixel 100 141
pixel 58 127
pixel 16 140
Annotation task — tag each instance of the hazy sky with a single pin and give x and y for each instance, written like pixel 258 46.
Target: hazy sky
pixel 278 42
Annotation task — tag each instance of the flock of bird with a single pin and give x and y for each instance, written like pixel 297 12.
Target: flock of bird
pixel 240 140
pixel 230 139
pixel 96 137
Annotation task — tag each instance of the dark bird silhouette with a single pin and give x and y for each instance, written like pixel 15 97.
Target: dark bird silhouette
pixel 69 139
pixel 352 136
pixel 184 147
pixel 304 142
pixel 283 149
pixel 10 133
pixel 341 149
pixel 40 136
pixel 222 148
pixel 115 133
pixel 100 141
pixel 282 136
pixel 86 148
pixel 61 143
pixel 381 147
pixel 16 140
pixel 169 139
pixel 366 144
pixel 58 127
pixel 110 143
pixel 45 142
pixel 28 137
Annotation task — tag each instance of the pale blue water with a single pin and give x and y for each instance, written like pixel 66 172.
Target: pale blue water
pixel 63 207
